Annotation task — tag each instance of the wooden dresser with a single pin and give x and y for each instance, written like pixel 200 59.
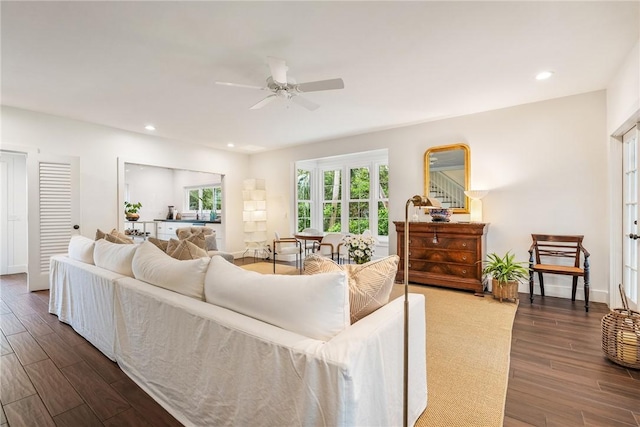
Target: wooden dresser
pixel 454 261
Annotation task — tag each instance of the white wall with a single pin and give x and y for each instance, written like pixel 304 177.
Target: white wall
pixel 623 92
pixel 545 165
pixel 152 187
pixel 100 148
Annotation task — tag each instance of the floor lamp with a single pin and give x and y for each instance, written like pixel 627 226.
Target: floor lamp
pixel 416 201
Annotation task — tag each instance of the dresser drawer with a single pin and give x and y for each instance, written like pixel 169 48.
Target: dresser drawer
pixel 444 242
pixel 434 255
pixel 449 269
pixel 453 260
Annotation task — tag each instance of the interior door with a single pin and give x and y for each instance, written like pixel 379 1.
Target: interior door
pixel 54 211
pixel 630 239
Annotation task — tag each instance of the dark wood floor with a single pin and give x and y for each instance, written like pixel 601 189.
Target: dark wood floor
pixel 559 375
pixel 50 376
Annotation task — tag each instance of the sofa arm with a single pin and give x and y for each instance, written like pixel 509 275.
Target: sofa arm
pixel 372 352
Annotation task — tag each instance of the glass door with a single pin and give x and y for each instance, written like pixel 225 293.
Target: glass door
pixel 630 239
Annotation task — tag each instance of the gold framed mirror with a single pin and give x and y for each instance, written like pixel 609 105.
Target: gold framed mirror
pixel 446 176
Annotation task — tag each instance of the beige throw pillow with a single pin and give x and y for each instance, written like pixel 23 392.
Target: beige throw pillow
pixel 162 244
pixel 116 239
pixel 184 250
pixel 370 284
pixel 123 238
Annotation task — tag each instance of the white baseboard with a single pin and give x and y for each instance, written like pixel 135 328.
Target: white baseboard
pixel 550 290
pixel 15 269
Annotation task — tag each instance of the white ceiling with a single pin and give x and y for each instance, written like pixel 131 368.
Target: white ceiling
pixel 127 64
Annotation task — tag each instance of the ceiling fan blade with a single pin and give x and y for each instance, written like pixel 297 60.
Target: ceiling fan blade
pixel 320 85
pixel 278 70
pixel 304 102
pixel 264 102
pixel 240 85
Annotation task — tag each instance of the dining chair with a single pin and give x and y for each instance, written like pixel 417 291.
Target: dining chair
pixel 287 246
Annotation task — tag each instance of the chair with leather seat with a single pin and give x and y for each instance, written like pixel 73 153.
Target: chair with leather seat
pixel 287 246
pixel 546 255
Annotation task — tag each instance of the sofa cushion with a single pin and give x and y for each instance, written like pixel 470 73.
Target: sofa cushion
pixel 81 249
pixel 184 232
pixel 370 284
pixel 153 266
pixel 184 250
pixel 114 257
pixel 314 306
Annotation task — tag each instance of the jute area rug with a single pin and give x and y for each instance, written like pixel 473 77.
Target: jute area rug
pixel 468 347
pixel 267 268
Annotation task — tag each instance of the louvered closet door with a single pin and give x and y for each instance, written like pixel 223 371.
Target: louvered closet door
pixel 54 211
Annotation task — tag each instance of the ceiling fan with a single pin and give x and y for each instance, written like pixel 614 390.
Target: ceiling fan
pixel 287 88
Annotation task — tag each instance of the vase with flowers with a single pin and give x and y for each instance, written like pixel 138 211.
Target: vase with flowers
pixel 360 247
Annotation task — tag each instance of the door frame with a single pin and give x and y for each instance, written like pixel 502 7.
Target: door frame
pixel 616 224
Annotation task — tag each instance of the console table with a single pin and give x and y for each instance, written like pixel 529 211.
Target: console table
pixel 446 254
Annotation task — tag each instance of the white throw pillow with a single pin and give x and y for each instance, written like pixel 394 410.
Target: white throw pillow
pixel 153 266
pixel 314 306
pixel 114 257
pixel 81 249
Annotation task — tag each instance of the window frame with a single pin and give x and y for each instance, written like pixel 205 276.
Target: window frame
pixel 317 168
pixel 216 188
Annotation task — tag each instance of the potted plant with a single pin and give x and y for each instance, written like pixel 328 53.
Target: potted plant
pixel 506 274
pixel 131 211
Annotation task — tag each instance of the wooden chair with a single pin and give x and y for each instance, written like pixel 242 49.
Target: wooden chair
pixel 548 251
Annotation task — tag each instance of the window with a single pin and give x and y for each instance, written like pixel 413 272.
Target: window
pixel 383 200
pixel 303 180
pixel 348 194
pixel 359 184
pixel 204 198
pixel 332 204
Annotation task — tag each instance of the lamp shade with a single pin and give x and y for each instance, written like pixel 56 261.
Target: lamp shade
pixel 475 207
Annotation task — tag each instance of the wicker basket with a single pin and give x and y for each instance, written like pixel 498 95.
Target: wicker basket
pixel 621 335
pixel 507 290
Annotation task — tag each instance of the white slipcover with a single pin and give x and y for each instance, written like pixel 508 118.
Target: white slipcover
pixel 82 295
pixel 209 366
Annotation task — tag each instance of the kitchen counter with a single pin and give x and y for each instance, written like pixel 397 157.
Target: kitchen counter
pixel 191 221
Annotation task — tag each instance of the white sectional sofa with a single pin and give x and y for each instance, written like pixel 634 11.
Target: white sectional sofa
pixel 284 355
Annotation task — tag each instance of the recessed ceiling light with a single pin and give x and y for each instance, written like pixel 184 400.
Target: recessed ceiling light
pixel 544 75
pixel 150 127
pixel 231 145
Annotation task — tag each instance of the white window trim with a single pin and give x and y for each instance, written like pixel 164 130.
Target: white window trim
pixel 186 191
pixel 317 167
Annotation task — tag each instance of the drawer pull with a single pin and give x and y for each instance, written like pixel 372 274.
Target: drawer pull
pixel 464 245
pixel 409 253
pixel 464 271
pixel 464 258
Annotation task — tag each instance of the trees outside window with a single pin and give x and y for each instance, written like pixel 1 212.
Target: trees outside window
pixel 205 198
pixel 303 185
pixel 348 194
